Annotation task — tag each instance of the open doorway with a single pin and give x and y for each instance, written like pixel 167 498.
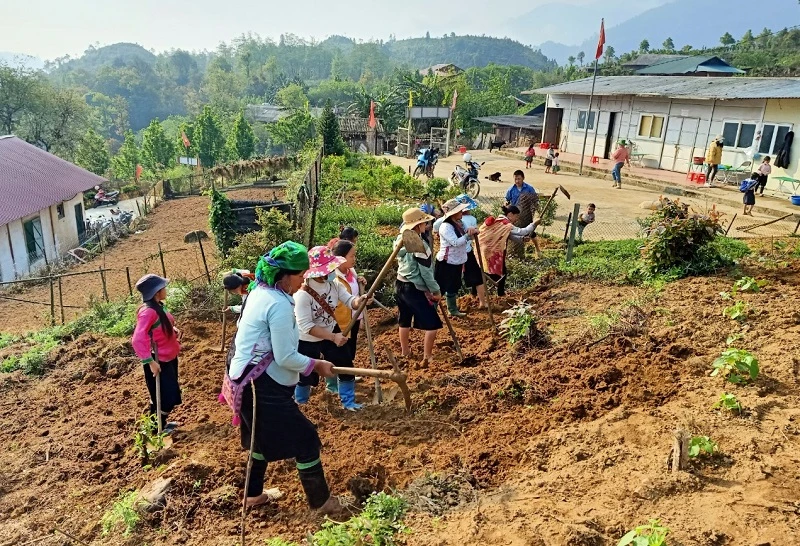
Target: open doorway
pixel 612 135
pixel 552 129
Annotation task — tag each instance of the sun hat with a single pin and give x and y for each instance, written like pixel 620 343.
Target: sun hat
pixel 623 142
pixel 453 207
pixel 149 286
pixel 467 200
pixel 414 217
pixel 321 262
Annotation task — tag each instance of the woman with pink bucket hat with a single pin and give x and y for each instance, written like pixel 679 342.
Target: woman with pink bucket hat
pixel 320 335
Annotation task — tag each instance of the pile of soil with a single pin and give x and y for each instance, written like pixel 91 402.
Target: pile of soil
pixel 564 444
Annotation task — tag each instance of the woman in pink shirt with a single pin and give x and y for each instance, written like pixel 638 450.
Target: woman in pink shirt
pixel 156 341
pixel 620 157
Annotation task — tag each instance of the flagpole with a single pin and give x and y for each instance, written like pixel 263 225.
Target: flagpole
pixel 591 97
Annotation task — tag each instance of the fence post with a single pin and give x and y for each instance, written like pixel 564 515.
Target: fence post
pixel 314 201
pixel 128 275
pixel 138 209
pixel 61 299
pixel 100 240
pixel 161 256
pixel 203 255
pixel 731 224
pixel 566 227
pixel 52 304
pixel 103 280
pixel 573 228
pixel 796 228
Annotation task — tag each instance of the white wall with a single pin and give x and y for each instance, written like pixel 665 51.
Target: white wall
pixel 689 125
pixel 60 235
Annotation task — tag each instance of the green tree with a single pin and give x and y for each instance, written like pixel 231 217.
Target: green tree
pixel 328 129
pixel 571 60
pixel 123 165
pixel 292 132
pixel 292 97
pixel 763 38
pixel 92 153
pixel 747 39
pixel 644 46
pixel 727 39
pixel 241 140
pixel 608 56
pixel 17 86
pixel 669 44
pixel 157 150
pixel 581 57
pixel 55 120
pixel 208 138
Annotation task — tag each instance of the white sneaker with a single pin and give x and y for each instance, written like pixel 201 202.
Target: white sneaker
pixel 707 185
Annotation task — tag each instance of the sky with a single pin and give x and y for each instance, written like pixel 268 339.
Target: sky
pixel 51 28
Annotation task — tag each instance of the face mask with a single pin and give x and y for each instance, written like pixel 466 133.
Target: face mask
pixel 331 276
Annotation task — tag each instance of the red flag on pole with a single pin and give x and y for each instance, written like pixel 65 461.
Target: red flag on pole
pixel 186 142
pixel 138 172
pixel 602 41
pixel 455 98
pixel 372 121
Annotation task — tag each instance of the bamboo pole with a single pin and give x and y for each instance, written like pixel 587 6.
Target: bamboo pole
pixel 203 255
pixel 105 287
pixel 61 300
pixel 128 275
pixel 161 257
pixel 52 304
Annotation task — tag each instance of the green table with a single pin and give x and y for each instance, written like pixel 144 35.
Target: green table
pixel 795 183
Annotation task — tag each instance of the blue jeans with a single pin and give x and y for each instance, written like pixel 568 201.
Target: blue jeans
pixel 616 173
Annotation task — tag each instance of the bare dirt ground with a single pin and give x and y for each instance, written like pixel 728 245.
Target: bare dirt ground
pixel 561 445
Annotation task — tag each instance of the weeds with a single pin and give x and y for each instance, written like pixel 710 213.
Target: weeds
pixel 702 445
pixel 652 534
pixel 728 402
pixel 736 365
pixel 515 391
pixel 601 324
pixel 146 438
pixel 749 284
pixel 520 326
pixel 124 513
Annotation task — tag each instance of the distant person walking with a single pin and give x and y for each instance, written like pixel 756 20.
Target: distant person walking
pixel 548 161
pixel 620 157
pixel 530 153
pixel 713 159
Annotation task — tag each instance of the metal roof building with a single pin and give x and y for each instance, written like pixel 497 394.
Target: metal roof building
pixel 697 65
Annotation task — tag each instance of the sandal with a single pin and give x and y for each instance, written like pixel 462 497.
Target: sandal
pixel 270 495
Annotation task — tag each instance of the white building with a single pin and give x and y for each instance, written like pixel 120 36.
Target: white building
pixel 671 119
pixel 41 210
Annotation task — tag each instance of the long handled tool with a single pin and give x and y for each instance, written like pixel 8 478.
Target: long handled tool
pixel 392 375
pixel 452 331
pixel 154 351
pixel 224 323
pixel 559 188
pixel 372 360
pixel 485 277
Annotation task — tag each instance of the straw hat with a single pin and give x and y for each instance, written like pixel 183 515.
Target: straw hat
pixel 414 217
pixel 322 262
pixel 453 207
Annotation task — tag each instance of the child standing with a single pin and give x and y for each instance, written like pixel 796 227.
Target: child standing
pixel 764 170
pixel 584 219
pixel 237 282
pixel 748 187
pixel 156 341
pixel 556 164
pixel 530 153
pixel 548 162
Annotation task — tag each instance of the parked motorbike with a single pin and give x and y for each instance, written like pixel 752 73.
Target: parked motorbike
pixel 467 178
pixel 110 198
pixel 426 162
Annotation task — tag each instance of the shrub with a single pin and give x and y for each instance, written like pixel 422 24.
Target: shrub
pixel 520 326
pixel 248 247
pixel 678 239
pixel 437 187
pixel 222 220
pixel 124 512
pixel 736 365
pixel 130 188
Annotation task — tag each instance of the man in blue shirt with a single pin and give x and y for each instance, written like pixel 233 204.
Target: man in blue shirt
pixel 519 187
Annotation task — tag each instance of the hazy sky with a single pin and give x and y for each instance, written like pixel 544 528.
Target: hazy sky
pixel 51 28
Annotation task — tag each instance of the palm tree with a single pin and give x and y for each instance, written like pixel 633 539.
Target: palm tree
pixel 582 56
pixel 571 60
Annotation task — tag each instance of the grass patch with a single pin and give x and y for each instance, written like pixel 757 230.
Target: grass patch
pixel 612 261
pixel 123 514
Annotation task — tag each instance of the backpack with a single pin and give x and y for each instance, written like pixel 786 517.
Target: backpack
pixel 747 185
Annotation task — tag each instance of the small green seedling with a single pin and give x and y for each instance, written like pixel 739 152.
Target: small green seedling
pixel 652 534
pixel 736 365
pixel 728 402
pixel 147 440
pixel 520 324
pixel 737 311
pixel 748 284
pixel 124 513
pixel 733 338
pixel 702 445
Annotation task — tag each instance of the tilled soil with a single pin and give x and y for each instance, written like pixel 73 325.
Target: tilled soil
pixel 562 444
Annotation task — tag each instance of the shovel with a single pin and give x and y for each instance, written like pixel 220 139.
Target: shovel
pixel 452 331
pixel 412 242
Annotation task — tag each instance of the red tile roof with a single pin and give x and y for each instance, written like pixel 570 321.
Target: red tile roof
pixel 32 179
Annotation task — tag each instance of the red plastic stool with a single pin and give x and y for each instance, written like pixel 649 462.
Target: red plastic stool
pixel 691 176
pixel 701 178
pixel 595 159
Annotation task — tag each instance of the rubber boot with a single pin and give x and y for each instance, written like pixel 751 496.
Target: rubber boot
pixel 302 393
pixel 331 385
pixel 347 393
pixel 452 307
pixel 312 478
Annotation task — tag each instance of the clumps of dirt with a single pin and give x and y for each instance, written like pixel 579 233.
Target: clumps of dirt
pixel 367 482
pixel 437 493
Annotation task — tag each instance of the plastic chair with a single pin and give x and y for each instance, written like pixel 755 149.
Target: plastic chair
pixel 701 178
pixel 595 159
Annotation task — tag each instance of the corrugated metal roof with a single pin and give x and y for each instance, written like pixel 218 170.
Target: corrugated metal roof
pixel 649 59
pixel 357 126
pixel 521 122
pixel 679 87
pixel 270 113
pixel 690 65
pixel 32 179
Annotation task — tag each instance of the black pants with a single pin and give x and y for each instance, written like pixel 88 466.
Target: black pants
pixel 339 356
pixel 282 432
pixel 762 183
pixel 353 342
pixel 500 280
pixel 170 388
pixel 711 173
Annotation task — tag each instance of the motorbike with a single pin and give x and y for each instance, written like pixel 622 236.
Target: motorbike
pixel 426 162
pixel 467 178
pixel 109 198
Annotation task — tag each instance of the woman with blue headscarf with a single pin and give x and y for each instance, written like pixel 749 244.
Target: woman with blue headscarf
pixel 266 353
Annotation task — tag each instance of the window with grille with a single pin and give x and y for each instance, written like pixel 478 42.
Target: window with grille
pixel 582 119
pixel 772 137
pixel 34 239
